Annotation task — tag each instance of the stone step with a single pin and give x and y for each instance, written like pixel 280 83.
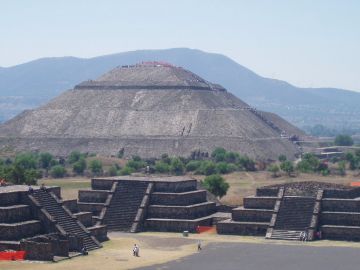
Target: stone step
pixel 285 235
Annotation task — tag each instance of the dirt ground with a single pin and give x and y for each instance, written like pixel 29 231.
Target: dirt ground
pixel 242 184
pixel 155 248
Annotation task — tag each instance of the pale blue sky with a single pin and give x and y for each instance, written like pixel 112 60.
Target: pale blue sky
pixel 307 43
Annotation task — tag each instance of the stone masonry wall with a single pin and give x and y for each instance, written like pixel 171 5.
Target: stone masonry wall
pixel 185 198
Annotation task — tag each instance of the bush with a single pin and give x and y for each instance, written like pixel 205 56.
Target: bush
pixel 74 156
pixel 282 158
pixel 162 167
pixel 165 158
pixel 193 165
pixel 126 171
pixel 287 166
pixel 274 169
pixel 57 171
pixel 113 171
pixel 246 163
pixel 309 163
pixel 218 154
pixel 342 167
pixel 216 185
pixel 231 157
pixel 136 164
pixel 177 167
pixel 79 166
pixel 222 167
pixel 45 160
pixel 207 168
pixel 343 140
pixel 96 167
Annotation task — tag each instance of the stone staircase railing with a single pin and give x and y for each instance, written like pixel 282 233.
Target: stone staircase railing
pixel 142 211
pixel 107 203
pixel 270 229
pixel 315 217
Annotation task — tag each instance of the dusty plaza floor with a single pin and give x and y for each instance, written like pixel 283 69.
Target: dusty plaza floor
pixel 173 251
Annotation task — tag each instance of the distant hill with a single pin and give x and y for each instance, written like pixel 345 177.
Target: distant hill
pixel 37 81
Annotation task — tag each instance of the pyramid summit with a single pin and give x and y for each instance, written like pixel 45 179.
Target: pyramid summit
pixel 149 109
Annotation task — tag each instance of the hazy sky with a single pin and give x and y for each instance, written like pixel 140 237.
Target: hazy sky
pixel 307 43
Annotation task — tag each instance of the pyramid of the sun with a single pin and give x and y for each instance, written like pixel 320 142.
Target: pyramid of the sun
pixel 148 109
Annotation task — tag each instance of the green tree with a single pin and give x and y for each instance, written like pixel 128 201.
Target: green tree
pixel 79 166
pixel 26 160
pixel 193 165
pixel 343 140
pixel 218 154
pixel 342 167
pixel 113 171
pixel 216 185
pixel 308 163
pixel 274 169
pixel 74 156
pixel 57 171
pixel 246 163
pixel 353 160
pixel 231 157
pixel 287 166
pixel 126 171
pixel 209 168
pixel 177 166
pixel 282 158
pixel 96 167
pixel 45 160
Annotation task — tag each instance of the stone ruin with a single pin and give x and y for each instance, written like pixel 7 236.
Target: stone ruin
pixel 148 110
pixel 41 224
pixel 134 204
pixel 48 228
pixel 284 211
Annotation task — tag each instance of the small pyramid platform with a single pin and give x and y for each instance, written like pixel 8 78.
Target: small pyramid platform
pixel 285 211
pixel 133 203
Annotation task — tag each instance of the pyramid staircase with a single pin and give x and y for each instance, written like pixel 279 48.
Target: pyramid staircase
pixel 294 216
pixel 64 218
pixel 124 204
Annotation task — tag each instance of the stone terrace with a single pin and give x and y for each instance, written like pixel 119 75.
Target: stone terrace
pixel 276 211
pixel 147 203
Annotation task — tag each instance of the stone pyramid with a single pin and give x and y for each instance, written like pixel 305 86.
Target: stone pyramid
pixel 149 109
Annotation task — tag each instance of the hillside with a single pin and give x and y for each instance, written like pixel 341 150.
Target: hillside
pixel 37 81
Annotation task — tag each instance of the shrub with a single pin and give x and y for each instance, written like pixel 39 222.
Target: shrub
pixel 45 160
pixel 95 166
pixel 162 167
pixel 343 140
pixel 79 166
pixel 126 171
pixel 218 154
pixel 193 165
pixel 165 158
pixel 57 171
pixel 231 157
pixel 282 158
pixel 177 166
pixel 274 169
pixel 287 166
pixel 222 167
pixel 74 156
pixel 113 171
pixel 216 185
pixel 209 168
pixel 246 163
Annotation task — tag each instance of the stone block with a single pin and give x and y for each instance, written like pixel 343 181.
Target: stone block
pixel 260 202
pixel 183 198
pixel 251 215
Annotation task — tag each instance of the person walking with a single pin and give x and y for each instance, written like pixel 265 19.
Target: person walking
pixel 199 245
